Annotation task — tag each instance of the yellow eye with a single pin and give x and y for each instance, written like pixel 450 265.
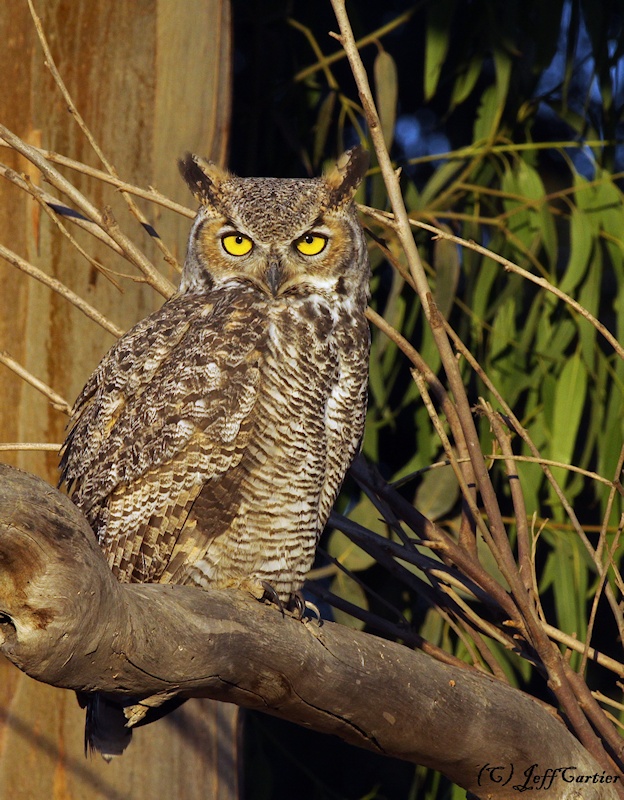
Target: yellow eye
pixel 311 244
pixel 236 244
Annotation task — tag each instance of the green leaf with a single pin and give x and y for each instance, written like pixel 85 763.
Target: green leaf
pixel 386 90
pixel 410 195
pixel 437 493
pixel 566 570
pixel 602 202
pixel 610 205
pixel 562 335
pixel 504 329
pixel 589 298
pixel 466 81
pixel 529 216
pixel 436 183
pixel 344 550
pixel 482 288
pixel 447 267
pixel 568 407
pixel 347 553
pixel 584 196
pixel 323 122
pixel 502 66
pixel 530 324
pixel 493 99
pixel 486 123
pixel 346 588
pixel 581 243
pixel 437 40
pixel 611 435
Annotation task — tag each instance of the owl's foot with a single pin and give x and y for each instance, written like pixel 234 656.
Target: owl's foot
pixel 296 605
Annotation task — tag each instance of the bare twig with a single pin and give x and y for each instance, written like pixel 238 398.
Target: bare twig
pixel 49 62
pixel 41 446
pixel 150 194
pixel 60 289
pixel 59 208
pixel 544 463
pixel 370 38
pixel 582 647
pixel 524 545
pixel 59 403
pixel 104 220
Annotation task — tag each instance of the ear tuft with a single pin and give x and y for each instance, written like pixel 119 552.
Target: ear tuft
pixel 202 177
pixel 346 175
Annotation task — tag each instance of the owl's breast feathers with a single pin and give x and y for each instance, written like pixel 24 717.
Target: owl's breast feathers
pixel 212 440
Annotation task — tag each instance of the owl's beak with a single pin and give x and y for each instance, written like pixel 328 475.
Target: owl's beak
pixel 274 275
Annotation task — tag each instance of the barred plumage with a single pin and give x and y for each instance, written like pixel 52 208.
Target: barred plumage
pixel 210 444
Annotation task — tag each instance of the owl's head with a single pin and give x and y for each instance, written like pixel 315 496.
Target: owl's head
pixel 288 237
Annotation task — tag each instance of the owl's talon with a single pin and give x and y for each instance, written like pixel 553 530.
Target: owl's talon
pixel 296 604
pixel 271 596
pixel 311 607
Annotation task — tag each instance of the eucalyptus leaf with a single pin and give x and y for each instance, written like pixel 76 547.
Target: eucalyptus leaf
pixel 466 81
pixel 568 408
pixel 437 493
pixel 349 590
pixel 569 584
pixel 581 244
pixel 446 262
pixel 488 116
pixel 344 550
pixel 589 298
pixel 387 90
pixel 436 42
pixel 323 122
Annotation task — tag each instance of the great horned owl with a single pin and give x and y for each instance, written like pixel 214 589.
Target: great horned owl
pixel 210 444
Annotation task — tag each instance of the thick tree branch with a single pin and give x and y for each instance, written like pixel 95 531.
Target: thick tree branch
pixel 66 621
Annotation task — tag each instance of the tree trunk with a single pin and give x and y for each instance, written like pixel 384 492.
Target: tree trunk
pixel 152 80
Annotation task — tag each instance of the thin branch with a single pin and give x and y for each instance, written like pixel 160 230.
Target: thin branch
pixel 610 552
pixel 476 514
pixel 324 61
pixel 59 403
pixel 18 446
pixel 51 65
pixel 544 463
pixel 616 486
pixel 150 194
pixel 104 220
pixel 61 289
pixel 526 568
pixel 582 647
pixel 58 208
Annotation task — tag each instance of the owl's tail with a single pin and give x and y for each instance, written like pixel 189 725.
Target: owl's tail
pixel 105 726
pixel 111 719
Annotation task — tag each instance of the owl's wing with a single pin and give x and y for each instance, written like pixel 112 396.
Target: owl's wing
pixel 168 409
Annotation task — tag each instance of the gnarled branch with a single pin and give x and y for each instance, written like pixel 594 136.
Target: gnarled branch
pixel 65 620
